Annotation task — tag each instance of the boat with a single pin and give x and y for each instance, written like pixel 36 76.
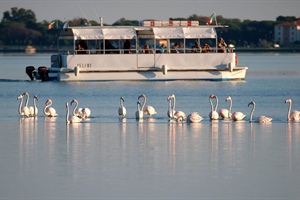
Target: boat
pixel 117 53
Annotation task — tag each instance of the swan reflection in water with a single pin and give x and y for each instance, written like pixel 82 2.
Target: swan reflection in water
pixel 28 139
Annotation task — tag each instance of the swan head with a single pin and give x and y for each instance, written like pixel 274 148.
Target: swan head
pixel 25 93
pixel 228 98
pixel 142 95
pixel 122 99
pixel 288 100
pixel 20 96
pixel 212 96
pixel 251 103
pixel 74 101
pixel 35 97
pixel 48 101
pixel 171 96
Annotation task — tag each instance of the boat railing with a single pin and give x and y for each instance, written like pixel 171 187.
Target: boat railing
pixel 142 51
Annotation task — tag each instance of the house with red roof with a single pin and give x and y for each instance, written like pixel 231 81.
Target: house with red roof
pixel 286 34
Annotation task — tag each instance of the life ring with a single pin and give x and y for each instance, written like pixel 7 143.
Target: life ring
pixel 236 60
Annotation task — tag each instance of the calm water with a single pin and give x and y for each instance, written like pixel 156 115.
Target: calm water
pixel 109 158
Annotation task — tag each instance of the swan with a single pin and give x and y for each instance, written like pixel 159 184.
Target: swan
pixel 122 109
pixel 139 113
pixel 73 118
pixel 33 109
pixel 83 113
pixel 23 111
pixel 236 116
pixel 148 110
pixel 76 111
pixel 295 115
pixel 86 112
pixel 213 115
pixel 260 119
pixel 171 111
pixel 194 117
pixel 49 111
pixel 226 113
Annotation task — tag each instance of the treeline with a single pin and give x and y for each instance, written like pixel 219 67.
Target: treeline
pixel 20 27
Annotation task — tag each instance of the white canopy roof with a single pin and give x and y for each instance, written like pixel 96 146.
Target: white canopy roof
pixel 184 32
pixel 100 33
pixel 109 33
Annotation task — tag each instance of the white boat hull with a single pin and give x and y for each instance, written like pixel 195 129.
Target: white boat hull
pixel 159 67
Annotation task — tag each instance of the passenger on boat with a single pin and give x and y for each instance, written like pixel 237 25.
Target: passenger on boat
pixel 162 48
pixel 175 48
pixel 147 49
pixel 81 47
pixel 127 47
pixel 196 48
pixel 206 48
pixel 222 46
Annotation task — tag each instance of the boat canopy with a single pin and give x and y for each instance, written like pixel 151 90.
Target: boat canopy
pixel 98 33
pixel 115 33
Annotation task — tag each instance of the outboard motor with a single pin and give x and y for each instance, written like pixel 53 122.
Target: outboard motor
pixel 43 72
pixel 29 71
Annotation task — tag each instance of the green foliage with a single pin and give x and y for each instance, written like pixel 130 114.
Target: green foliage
pixel 20 27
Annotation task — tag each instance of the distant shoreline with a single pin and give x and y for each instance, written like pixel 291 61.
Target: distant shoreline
pixel 22 49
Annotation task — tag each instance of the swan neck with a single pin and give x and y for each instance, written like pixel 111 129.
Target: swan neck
pixel 75 107
pixel 211 104
pixel 217 102
pixel 20 106
pixel 252 110
pixel 289 111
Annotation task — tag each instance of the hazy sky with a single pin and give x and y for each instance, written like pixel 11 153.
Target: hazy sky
pixel 112 10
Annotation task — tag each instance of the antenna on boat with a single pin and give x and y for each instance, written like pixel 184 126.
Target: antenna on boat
pixel 101 21
pixel 88 22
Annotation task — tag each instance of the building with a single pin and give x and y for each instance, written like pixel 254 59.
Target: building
pixel 286 34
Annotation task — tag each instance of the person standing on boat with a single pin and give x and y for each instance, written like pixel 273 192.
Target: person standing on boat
pixel 175 48
pixel 162 48
pixel 222 46
pixel 147 49
pixel 127 47
pixel 81 47
pixel 196 48
pixel 206 48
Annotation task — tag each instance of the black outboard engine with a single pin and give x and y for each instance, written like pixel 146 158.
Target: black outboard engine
pixel 29 72
pixel 43 72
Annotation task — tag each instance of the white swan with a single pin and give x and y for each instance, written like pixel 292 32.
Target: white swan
pixel 213 115
pixel 225 113
pixel 33 109
pixel 194 117
pixel 49 111
pixel 260 119
pixel 236 116
pixel 148 110
pixel 171 111
pixel 295 115
pixel 139 114
pixel 83 113
pixel 122 109
pixel 73 118
pixel 23 111
pixel 76 111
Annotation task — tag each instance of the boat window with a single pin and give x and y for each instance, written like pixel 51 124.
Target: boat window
pixel 211 43
pixel 192 46
pixel 129 46
pixel 66 46
pixel 179 42
pixel 161 46
pixel 146 45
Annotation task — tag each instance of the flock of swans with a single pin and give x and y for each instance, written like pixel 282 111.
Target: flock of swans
pixel 81 114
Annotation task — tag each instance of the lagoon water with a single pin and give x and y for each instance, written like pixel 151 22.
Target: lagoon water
pixel 111 158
